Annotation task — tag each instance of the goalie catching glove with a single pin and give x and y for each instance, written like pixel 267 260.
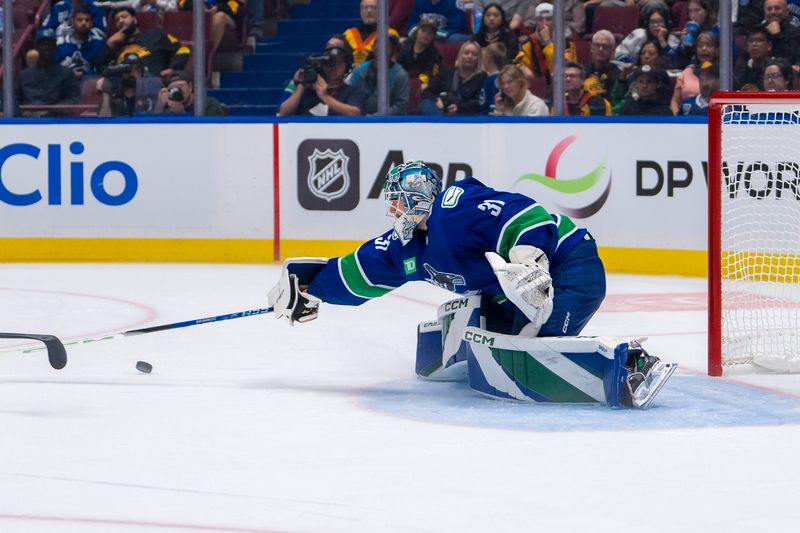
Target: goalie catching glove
pixel 288 300
pixel 526 281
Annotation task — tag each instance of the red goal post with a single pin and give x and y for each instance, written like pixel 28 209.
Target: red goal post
pixel 754 231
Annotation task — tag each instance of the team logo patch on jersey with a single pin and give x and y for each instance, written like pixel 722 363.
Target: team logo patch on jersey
pixel 410 265
pixel 451 196
pixel 327 171
pixel 443 279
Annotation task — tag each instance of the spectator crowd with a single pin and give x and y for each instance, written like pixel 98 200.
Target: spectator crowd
pixel 446 57
pixel 101 50
pixel 456 57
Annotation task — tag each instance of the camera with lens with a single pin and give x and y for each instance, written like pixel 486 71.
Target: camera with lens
pixel 117 70
pixel 176 95
pixel 447 98
pixel 312 66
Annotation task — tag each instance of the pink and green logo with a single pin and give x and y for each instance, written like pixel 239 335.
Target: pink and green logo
pixel 571 186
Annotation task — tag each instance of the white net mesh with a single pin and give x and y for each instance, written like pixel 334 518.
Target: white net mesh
pixel 761 235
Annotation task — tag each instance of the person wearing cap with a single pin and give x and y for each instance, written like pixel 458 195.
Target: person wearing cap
pixel 687 84
pixel 650 54
pixel 159 51
pixel 644 100
pixel 418 54
pixel 178 97
pixel 329 95
pixel 536 56
pixel 365 79
pixel 574 16
pixel 48 82
pixel 119 88
pixel 709 82
pixel 449 17
pixel 361 38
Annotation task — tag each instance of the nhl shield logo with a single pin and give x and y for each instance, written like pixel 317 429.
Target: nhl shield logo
pixel 327 174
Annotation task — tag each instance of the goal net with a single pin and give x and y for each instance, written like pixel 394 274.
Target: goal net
pixel 754 231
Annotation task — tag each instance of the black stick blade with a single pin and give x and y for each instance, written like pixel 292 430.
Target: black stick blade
pixel 56 352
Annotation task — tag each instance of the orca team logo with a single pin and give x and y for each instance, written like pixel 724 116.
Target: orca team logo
pixel 587 190
pixel 327 174
pixel 444 280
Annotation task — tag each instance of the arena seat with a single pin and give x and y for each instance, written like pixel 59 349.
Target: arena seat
pixel 414 95
pixel 616 19
pixel 449 52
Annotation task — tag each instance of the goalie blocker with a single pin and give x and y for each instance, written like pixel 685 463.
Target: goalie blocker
pixel 531 369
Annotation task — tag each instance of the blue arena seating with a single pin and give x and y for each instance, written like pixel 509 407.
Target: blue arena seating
pixel 257 89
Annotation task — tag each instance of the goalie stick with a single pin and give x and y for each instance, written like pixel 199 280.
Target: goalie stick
pixel 56 353
pixel 142 331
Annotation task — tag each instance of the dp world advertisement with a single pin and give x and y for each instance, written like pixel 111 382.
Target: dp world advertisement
pixel 632 188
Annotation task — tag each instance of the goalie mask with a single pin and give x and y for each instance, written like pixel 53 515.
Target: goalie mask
pixel 409 192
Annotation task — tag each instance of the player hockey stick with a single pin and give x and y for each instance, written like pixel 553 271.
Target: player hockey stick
pixel 56 353
pixel 162 327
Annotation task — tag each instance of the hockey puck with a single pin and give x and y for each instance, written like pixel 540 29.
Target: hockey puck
pixel 143 366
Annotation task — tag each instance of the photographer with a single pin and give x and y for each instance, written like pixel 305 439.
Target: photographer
pixel 457 90
pixel 178 97
pixel 319 88
pixel 125 90
pixel 160 52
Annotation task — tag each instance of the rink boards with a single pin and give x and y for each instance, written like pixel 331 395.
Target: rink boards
pixel 256 192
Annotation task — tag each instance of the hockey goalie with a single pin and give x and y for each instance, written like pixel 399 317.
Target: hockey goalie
pixel 529 282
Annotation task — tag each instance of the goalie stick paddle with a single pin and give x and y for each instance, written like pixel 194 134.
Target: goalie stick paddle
pixel 56 352
pixel 142 331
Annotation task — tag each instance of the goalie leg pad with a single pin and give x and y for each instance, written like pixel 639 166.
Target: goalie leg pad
pixel 563 369
pixel 441 350
pixel 555 369
pixel 455 316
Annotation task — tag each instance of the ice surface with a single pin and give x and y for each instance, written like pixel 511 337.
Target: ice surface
pixel 251 425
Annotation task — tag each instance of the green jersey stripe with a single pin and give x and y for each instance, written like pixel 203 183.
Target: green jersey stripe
pixel 566 227
pixel 531 218
pixel 356 281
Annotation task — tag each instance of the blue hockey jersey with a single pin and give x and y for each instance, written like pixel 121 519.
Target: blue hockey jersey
pixel 467 220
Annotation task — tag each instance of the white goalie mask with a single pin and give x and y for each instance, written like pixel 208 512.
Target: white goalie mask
pixel 409 192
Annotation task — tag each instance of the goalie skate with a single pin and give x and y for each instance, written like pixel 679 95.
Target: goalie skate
pixel 647 377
